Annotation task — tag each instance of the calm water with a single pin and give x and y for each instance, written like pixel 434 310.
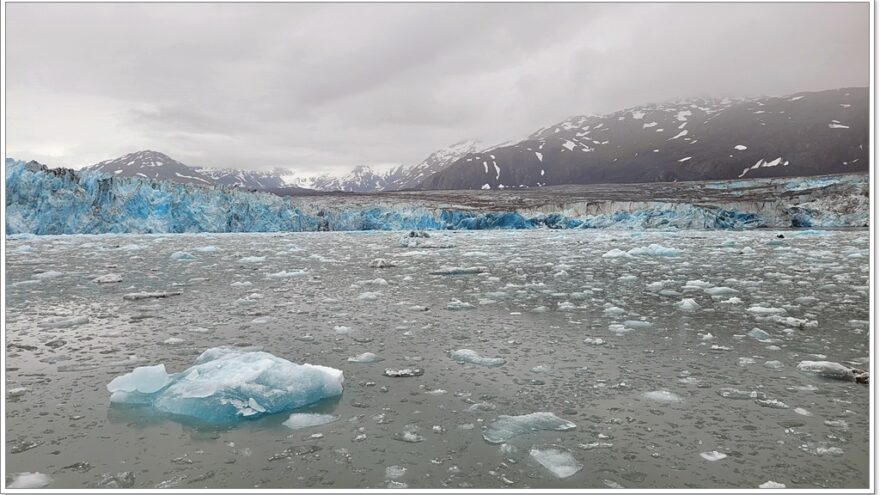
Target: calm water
pixel 540 296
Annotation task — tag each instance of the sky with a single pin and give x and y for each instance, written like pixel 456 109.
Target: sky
pixel 321 88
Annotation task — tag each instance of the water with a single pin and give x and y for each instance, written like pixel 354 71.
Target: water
pixel 647 402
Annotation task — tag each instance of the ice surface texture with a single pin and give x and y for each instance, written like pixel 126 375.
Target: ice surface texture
pixel 226 385
pixel 62 201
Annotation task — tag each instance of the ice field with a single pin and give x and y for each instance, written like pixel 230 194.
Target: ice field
pixel 469 359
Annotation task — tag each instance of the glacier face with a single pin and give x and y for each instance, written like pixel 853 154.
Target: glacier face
pixel 63 201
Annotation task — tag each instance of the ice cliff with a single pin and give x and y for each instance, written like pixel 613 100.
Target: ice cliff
pixel 63 201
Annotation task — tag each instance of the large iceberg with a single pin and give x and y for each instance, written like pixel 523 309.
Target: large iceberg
pixel 226 385
pixel 64 201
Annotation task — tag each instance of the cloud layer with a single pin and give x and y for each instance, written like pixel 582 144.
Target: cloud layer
pixel 324 87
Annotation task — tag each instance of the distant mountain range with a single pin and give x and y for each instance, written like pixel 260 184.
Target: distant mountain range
pixel 804 134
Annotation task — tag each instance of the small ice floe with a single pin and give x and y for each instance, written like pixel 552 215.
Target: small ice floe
pixel 653 250
pixel 16 392
pixel 369 296
pixel 63 321
pixel 771 484
pixel 455 305
pixel 225 385
pixel 732 393
pixel 173 341
pixel 758 334
pixel 29 480
pixel 713 455
pixel 291 274
pixel 761 310
pixel 774 365
pixel 802 411
pixel 771 403
pixel 637 324
pixel 836 371
pixel 261 320
pixel 394 472
pixel 459 270
pixel 558 461
pixel 47 275
pixel 206 249
pixel 298 421
pixel 506 427
pixel 252 259
pixel 403 372
pixel 594 341
pixel 367 357
pixel 618 329
pixel 615 253
pixel 110 278
pixel 697 285
pixel 663 396
pixel 136 296
pixel 720 291
pixel 341 330
pixel 732 300
pixel 472 357
pixel 410 435
pixel 198 330
pixel 381 263
pixel 687 304
pixel 182 256
pixel 241 284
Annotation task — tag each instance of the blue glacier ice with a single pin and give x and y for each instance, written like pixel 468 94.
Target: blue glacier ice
pixel 63 201
pixel 226 385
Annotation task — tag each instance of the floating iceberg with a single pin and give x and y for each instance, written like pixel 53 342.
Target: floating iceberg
pixel 833 370
pixel 298 421
pixel 29 480
pixel 506 427
pixel 472 357
pixel 662 396
pixel 226 385
pixel 654 250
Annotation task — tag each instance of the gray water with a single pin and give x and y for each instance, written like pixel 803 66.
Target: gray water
pixel 541 294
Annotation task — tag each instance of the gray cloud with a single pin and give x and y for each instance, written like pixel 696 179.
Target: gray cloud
pixel 324 87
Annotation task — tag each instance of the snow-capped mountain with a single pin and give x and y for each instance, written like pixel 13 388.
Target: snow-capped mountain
pixel 247 179
pixel 151 165
pixel 699 139
pixel 410 176
pixel 361 179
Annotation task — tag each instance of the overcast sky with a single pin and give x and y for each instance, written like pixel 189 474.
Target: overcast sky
pixel 325 87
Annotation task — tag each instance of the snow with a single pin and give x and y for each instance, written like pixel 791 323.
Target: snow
pixel 506 427
pixel 298 421
pixel 558 461
pixel 225 385
pixel 470 356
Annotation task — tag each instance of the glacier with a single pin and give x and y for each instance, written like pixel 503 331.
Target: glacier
pixel 63 201
pixel 226 385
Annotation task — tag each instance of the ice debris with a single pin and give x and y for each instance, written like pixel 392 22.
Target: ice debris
pixel 506 427
pixel 459 270
pixel 653 250
pixel 110 278
pixel 662 396
pixel 713 456
pixel 836 371
pixel 226 384
pixel 367 357
pixel 29 480
pixel 136 296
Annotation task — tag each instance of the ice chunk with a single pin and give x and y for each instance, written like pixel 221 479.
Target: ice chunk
pixel 298 421
pixel 135 296
pixel 615 253
pixel 181 256
pixel 472 357
pixel 758 334
pixel 290 274
pixel 29 480
pixel 720 291
pixel 63 321
pixel 110 278
pixel 252 259
pixel 560 462
pixel 760 310
pixel 394 472
pixel 833 370
pixel 506 427
pixel 654 250
pixel 687 304
pixel 456 305
pixel 381 263
pixel 459 270
pixel 771 484
pixel 47 275
pixel 367 357
pixel 227 384
pixel 662 396
pixel 713 456
pixel 403 372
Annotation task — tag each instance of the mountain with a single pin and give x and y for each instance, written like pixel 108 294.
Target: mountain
pixel 151 165
pixel 409 177
pixel 247 179
pixel 361 179
pixel 804 134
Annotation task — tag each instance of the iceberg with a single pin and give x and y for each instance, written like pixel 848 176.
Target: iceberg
pixel 225 385
pixel 506 427
pixel 298 421
pixel 837 371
